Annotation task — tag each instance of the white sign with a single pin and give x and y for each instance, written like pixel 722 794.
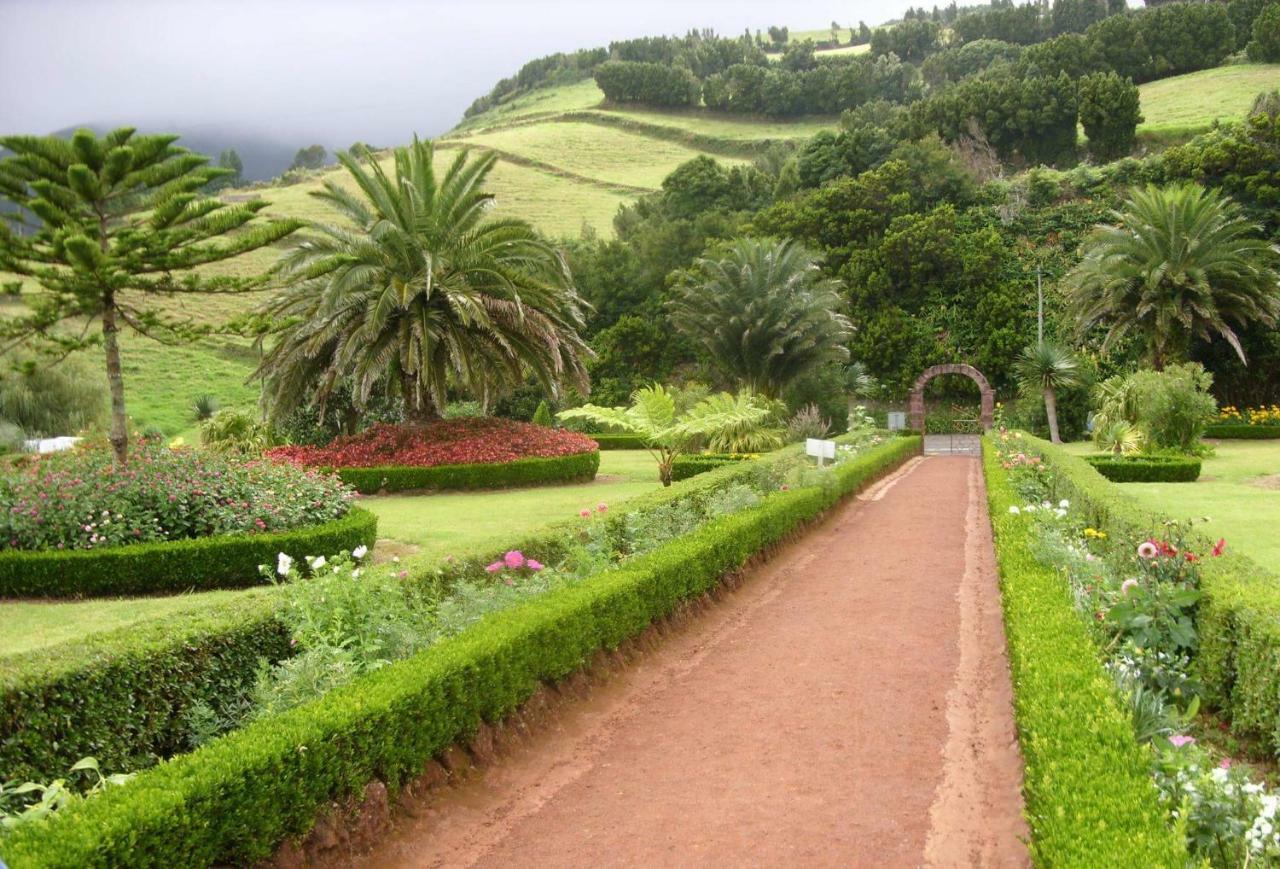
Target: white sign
pixel 820 449
pixel 50 445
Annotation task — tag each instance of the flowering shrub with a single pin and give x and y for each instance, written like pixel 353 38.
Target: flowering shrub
pixel 79 500
pixel 471 440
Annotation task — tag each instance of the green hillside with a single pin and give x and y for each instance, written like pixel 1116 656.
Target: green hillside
pixel 1186 104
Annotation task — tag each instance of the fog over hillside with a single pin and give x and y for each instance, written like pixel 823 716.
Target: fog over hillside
pixel 275 75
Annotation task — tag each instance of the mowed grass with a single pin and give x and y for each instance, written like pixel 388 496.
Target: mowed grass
pixel 603 153
pixel 727 127
pixel 452 523
pixel 436 524
pixel 1191 103
pixel 545 101
pixel 1238 490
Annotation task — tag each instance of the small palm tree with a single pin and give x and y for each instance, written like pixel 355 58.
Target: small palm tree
pixel 652 415
pixel 1046 368
pixel 418 291
pixel 764 313
pixel 1180 263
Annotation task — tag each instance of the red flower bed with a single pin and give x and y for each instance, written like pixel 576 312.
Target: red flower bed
pixel 469 441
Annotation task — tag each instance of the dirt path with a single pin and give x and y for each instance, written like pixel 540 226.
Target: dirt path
pixel 848 706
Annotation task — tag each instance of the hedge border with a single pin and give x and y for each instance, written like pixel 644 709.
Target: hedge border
pixel 619 441
pixel 235 799
pixel 204 564
pixel 578 467
pixel 1239 612
pixel 1090 797
pixel 685 467
pixel 1146 469
pixel 1242 431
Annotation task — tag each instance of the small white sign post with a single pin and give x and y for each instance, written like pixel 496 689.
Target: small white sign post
pixel 820 449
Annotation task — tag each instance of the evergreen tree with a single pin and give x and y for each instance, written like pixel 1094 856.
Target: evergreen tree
pixel 230 160
pixel 1110 110
pixel 106 225
pixel 310 157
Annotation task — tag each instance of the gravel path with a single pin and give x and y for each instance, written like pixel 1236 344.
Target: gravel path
pixel 849 705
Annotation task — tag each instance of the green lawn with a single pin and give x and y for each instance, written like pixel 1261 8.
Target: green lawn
pixel 1233 492
pixel 449 523
pixel 1190 103
pixel 435 524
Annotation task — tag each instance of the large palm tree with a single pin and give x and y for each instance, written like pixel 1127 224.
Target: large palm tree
pixel 418 290
pixel 1180 263
pixel 764 313
pixel 1045 368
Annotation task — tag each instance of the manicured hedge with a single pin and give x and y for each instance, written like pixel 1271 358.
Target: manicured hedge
pixel 235 799
pixel 1242 431
pixel 1146 469
pixel 580 467
pixel 224 561
pixel 1239 612
pixel 685 467
pixel 1089 793
pixel 619 441
pixel 123 697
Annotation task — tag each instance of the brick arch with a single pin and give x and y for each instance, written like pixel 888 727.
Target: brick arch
pixel 917 392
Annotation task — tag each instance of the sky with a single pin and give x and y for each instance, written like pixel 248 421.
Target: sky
pixel 323 71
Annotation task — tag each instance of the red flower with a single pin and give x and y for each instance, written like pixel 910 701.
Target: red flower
pixel 1219 547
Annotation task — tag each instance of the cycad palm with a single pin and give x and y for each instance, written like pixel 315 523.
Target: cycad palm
pixel 418 292
pixel 1046 368
pixel 1181 263
pixel 764 313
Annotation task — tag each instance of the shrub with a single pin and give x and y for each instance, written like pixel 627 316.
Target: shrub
pixel 685 467
pixel 610 441
pixel 234 432
pixel 1110 111
pixel 1090 797
pixel 222 561
pixel 1242 431
pixel 807 422
pixel 577 467
pixel 1146 468
pixel 79 499
pixel 1174 405
pixel 205 407
pixel 47 400
pixel 653 84
pixel 464 441
pixel 1265 45
pixel 542 416
pixel 236 798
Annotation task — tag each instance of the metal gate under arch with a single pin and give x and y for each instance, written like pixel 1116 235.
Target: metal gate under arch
pixel 969 440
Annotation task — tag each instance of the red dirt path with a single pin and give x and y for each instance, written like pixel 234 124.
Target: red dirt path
pixel 848 706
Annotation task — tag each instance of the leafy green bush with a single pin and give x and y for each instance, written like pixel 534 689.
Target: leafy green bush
pixel 1146 468
pixel 223 561
pixel 48 400
pixel 1090 797
pixel 1174 405
pixel 542 416
pixel 1242 431
pixel 579 467
pixel 685 467
pixel 236 798
pixel 234 432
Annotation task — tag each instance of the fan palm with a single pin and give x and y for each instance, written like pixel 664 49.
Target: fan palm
pixel 1180 263
pixel 418 291
pixel 667 435
pixel 1045 368
pixel 764 313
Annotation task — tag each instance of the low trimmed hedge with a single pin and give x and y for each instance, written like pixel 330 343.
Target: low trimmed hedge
pixel 1239 612
pixel 1090 797
pixel 235 799
pixel 224 561
pixel 619 441
pixel 685 467
pixel 576 468
pixel 1146 469
pixel 1242 431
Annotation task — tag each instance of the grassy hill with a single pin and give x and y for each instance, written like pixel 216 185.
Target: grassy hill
pixel 567 161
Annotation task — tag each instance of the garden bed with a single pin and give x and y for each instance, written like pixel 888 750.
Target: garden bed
pixel 467 453
pixel 235 799
pixel 1146 469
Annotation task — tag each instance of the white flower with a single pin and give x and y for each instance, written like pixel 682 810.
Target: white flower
pixel 283 564
pixel 317 562
pixel 1064 504
pixel 355 574
pixel 1014 510
pixel 360 551
pixel 395 559
pixel 1060 513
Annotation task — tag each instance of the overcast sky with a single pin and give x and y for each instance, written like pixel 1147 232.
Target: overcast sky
pixel 320 70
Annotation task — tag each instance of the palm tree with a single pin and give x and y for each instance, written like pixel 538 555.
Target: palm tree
pixel 1180 263
pixel 1046 368
pixel 418 291
pixel 652 415
pixel 764 313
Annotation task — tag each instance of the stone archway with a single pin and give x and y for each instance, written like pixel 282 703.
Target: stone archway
pixel 988 410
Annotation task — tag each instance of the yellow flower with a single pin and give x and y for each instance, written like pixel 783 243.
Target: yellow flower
pixel 177 443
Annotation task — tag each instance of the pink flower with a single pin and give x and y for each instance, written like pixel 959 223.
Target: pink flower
pixel 533 564
pixel 1179 740
pixel 403 574
pixel 584 513
pixel 495 567
pixel 602 507
pixel 1127 585
pixel 1225 763
pixel 514 558
pixel 784 488
pixel 1148 550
